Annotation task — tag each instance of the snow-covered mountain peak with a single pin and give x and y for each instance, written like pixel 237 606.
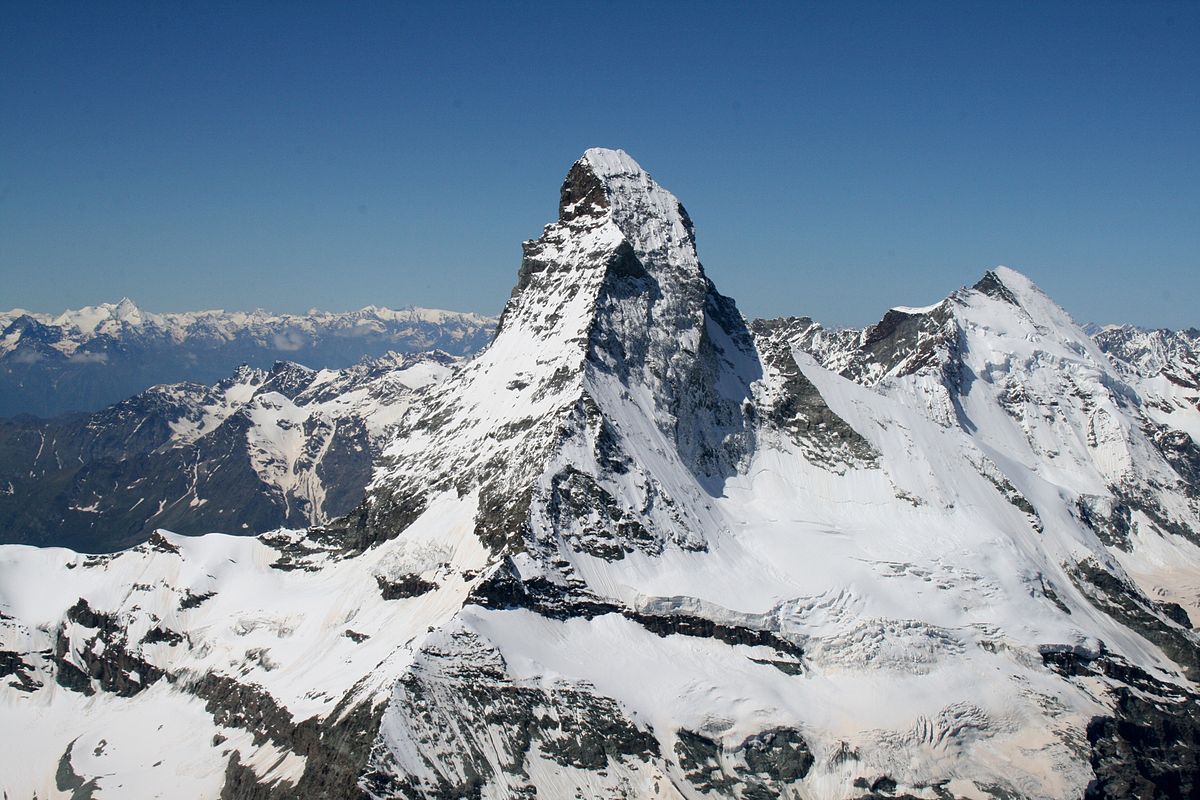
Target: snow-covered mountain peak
pixel 607 162
pixel 613 341
pixel 127 311
pixel 1004 313
pixel 629 551
pixel 1008 314
pixel 608 186
pixel 1016 283
pixel 618 231
pixel 1013 288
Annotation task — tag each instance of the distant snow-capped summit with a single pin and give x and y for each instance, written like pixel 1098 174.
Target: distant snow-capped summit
pixel 126 318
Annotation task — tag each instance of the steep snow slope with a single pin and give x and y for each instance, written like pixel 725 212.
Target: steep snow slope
pixel 260 449
pixel 1038 397
pixel 86 359
pixel 632 549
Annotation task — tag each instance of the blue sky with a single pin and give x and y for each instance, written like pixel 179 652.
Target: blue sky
pixel 836 158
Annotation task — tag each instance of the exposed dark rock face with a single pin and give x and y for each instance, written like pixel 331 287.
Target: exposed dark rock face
pixel 903 342
pixel 12 664
pixel 1180 451
pixel 799 409
pixel 574 729
pixel 991 285
pixel 404 586
pixel 1111 521
pixel 335 749
pixel 699 760
pixel 344 466
pixel 1013 495
pixel 67 780
pixel 780 754
pixel 685 625
pixel 502 523
pixel 193 600
pixel 157 635
pixel 582 194
pixel 235 704
pixel 1149 746
pixel 760 767
pixel 593 521
pixel 381 519
pixel 111 665
pixel 1163 624
pixel 505 589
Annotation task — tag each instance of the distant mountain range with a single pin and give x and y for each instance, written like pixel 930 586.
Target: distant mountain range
pixel 86 359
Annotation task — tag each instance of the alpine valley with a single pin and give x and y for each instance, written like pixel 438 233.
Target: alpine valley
pixel 636 547
pixel 259 450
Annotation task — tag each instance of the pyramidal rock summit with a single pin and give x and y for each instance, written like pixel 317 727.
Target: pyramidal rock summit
pixel 637 547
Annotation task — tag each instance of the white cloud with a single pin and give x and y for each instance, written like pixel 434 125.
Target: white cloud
pixel 84 357
pixel 289 341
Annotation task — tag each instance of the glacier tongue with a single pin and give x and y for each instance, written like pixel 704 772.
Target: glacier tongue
pixel 633 549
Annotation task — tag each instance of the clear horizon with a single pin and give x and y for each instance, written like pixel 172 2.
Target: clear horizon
pixel 837 160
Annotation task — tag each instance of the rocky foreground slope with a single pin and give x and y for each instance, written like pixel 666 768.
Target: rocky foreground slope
pixel 86 359
pixel 636 549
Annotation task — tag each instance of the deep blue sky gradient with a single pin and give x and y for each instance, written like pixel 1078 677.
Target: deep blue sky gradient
pixel 836 158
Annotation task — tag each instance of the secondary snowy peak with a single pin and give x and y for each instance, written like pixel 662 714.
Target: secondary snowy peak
pixel 1004 363
pixel 1038 317
pixel 1004 307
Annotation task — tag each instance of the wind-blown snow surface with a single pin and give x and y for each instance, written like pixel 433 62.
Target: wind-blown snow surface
pixel 634 550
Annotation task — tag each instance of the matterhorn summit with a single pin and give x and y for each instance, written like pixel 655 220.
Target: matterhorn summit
pixel 638 548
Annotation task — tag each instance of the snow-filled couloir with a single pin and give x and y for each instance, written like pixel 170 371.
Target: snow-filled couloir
pixel 636 549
